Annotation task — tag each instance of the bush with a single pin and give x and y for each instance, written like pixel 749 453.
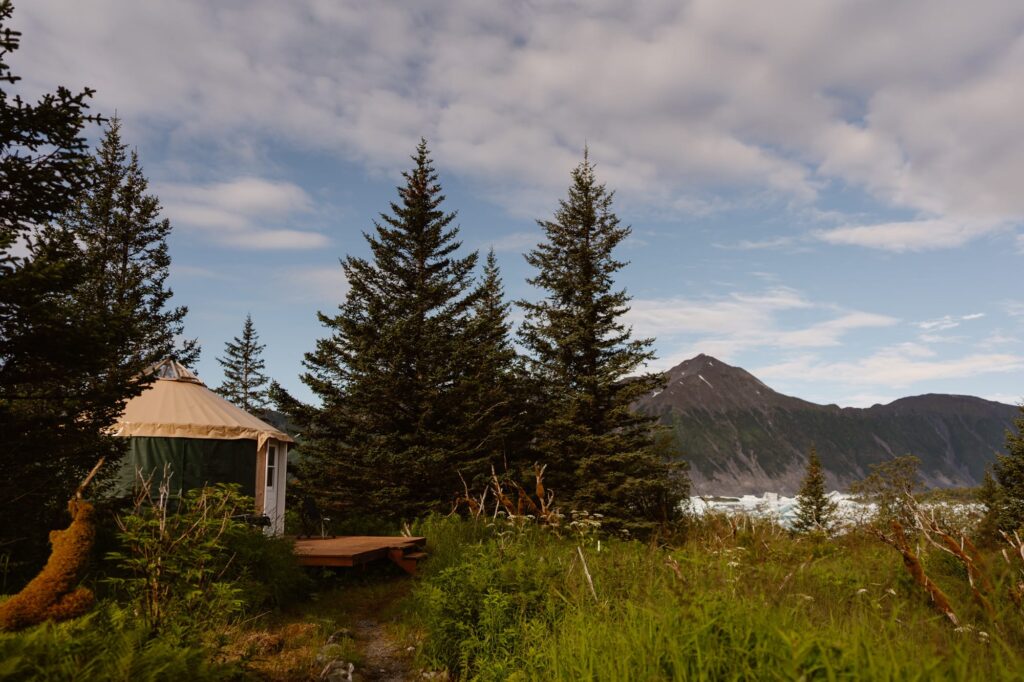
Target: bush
pixel 106 645
pixel 196 565
pixel 478 609
pixel 264 569
pixel 173 562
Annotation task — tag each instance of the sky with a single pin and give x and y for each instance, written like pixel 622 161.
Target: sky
pixel 828 194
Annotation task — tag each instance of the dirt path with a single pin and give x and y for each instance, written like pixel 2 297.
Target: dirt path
pixel 385 659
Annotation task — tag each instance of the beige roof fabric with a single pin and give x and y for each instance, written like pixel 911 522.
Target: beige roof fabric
pixel 179 405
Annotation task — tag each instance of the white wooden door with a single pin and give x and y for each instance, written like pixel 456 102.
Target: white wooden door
pixel 276 480
pixel 273 481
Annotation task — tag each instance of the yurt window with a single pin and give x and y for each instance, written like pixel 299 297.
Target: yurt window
pixel 271 465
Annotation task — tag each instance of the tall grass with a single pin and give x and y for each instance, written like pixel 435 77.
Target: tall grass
pixel 735 599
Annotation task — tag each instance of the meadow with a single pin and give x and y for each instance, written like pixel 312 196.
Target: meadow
pixel 730 598
pixel 507 597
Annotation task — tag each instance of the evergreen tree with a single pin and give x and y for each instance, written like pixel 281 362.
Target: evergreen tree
pixel 599 452
pixel 93 317
pixel 244 383
pixel 44 158
pixel 123 243
pixel 388 437
pixel 44 164
pixel 814 510
pixel 493 403
pixel 1003 492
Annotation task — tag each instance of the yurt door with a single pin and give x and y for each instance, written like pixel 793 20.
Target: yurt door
pixel 270 495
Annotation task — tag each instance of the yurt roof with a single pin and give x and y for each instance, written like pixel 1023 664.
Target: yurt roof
pixel 179 405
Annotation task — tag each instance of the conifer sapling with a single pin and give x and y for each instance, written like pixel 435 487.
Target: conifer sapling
pixel 244 383
pixel 1003 492
pixel 815 512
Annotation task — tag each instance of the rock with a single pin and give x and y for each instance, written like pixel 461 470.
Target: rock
pixel 338 671
pixel 343 633
pixel 330 653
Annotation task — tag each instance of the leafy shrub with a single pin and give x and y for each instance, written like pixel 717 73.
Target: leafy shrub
pixel 106 645
pixel 892 486
pixel 199 564
pixel 478 610
pixel 173 563
pixel 264 569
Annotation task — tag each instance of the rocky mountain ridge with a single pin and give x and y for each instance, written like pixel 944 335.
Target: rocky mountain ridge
pixel 741 436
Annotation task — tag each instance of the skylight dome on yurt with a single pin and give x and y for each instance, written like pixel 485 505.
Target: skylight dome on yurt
pixel 205 439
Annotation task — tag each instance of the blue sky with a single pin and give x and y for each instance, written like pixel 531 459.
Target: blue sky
pixel 827 194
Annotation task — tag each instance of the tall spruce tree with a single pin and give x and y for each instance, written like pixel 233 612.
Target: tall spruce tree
pixel 44 164
pixel 388 438
pixel 98 274
pixel 493 403
pixel 44 156
pixel 600 454
pixel 815 512
pixel 1003 492
pixel 244 383
pixel 123 242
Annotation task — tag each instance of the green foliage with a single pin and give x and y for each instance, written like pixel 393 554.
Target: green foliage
pixel 815 512
pixel 43 158
pixel 188 567
pixel 264 570
pixel 892 486
pixel 598 451
pixel 737 600
pixel 91 314
pixel 389 436
pixel 107 645
pixel 1003 492
pixel 493 397
pixel 174 561
pixel 44 165
pixel 476 609
pixel 244 384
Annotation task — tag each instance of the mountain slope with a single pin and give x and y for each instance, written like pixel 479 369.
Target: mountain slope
pixel 740 436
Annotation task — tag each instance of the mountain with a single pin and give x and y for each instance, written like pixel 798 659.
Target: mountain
pixel 740 436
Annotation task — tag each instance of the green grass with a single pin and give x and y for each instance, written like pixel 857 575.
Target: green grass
pixel 729 601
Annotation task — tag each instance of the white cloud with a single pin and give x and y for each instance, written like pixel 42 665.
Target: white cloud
pixel 517 242
pixel 760 244
pixel 245 213
pixel 913 235
pixel 324 285
pixel 895 367
pixel 1006 398
pixel 866 399
pixel 941 324
pixel 944 323
pixel 917 103
pixel 742 321
pixel 998 339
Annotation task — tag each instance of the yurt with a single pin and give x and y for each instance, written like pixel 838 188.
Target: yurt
pixel 178 421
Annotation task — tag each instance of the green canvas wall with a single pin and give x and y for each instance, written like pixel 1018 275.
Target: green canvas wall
pixel 194 462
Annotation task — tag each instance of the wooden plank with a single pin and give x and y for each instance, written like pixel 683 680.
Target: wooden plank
pixel 353 550
pixel 326 561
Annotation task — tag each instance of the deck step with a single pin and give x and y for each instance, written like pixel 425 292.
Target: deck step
pixel 416 556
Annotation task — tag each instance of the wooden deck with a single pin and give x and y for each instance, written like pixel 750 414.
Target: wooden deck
pixel 356 550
